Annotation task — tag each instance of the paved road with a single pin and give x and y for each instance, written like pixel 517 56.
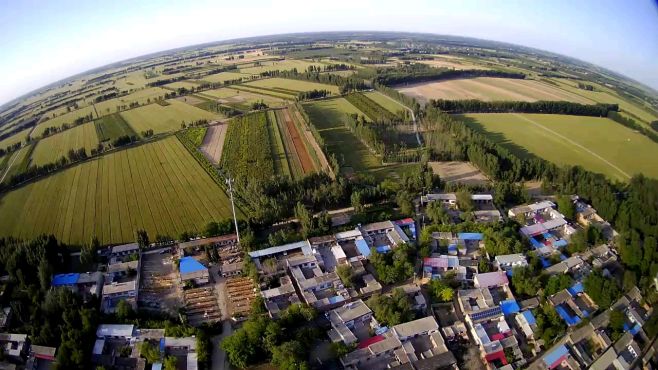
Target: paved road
pixel 219 359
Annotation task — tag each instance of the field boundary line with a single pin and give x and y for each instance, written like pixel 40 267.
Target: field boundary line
pixel 574 143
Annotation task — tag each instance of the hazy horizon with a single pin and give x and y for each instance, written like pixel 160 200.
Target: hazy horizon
pixel 614 35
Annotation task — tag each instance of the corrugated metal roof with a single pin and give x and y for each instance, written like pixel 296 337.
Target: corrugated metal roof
pixel 363 247
pixel 303 245
pixel 556 355
pixel 470 236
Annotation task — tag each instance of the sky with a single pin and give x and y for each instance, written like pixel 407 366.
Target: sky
pixel 45 41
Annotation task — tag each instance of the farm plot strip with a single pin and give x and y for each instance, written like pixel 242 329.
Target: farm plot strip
pixel 278 150
pixel 300 148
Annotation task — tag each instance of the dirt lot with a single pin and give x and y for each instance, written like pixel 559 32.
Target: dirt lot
pixel 240 291
pixel 159 288
pixel 213 142
pixel 459 172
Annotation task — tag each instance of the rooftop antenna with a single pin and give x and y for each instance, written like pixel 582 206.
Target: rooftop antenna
pixel 229 182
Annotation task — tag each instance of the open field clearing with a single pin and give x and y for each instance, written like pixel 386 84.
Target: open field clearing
pixel 185 84
pixel 191 99
pixel 111 127
pixel 388 103
pixel 53 147
pixel 142 97
pixel 157 186
pixel 164 118
pixel 490 89
pixel 294 86
pixel 225 76
pixel 16 138
pixel 280 65
pixel 597 144
pixel 453 63
pixel 605 95
pixel 213 142
pixel 459 172
pixel 328 116
pixel 241 99
pixel 67 118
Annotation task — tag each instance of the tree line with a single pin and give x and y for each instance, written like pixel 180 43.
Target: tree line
pixel 545 107
pixel 413 73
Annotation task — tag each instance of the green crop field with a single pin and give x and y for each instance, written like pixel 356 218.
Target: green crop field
pixel 605 95
pixel 224 76
pixel 287 94
pixel 164 118
pixel 16 138
pixel 294 85
pixel 111 127
pixel 67 118
pixel 144 96
pixel 488 89
pixel 386 102
pixel 157 186
pixel 185 84
pixel 281 164
pixel 597 144
pixel 328 116
pixel 53 147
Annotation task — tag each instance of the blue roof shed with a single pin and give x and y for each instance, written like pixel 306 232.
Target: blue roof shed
pixel 363 248
pixel 189 265
pixel 470 236
pixel 529 317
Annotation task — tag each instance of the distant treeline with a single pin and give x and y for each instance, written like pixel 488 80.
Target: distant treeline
pixel 547 107
pixel 346 84
pixel 420 73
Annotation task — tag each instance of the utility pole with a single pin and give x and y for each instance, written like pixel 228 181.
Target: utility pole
pixel 229 182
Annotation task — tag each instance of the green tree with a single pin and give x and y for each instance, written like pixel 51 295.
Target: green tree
pixel 170 363
pixel 150 352
pixel 566 206
pixel 289 356
pixel 346 274
pixel 464 201
pixel 124 310
pixel 405 202
pixel 437 214
pixel 142 238
pixel 356 200
pixel 525 281
pixel 305 219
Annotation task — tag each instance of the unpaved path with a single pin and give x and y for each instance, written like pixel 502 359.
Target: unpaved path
pixel 13 159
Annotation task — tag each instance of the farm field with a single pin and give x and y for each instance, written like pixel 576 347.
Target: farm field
pixel 281 162
pixel 288 85
pixel 490 89
pixel 295 148
pixel 213 142
pixel 16 138
pixel 598 144
pixel 328 116
pixel 266 91
pixel 164 118
pixel 386 102
pixel 144 96
pixel 53 147
pixel 157 186
pixel 58 121
pixel 111 127
pixel 18 162
pixel 240 99
pixel 371 110
pixel 451 62
pixel 458 172
pixel 604 95
pixel 185 84
pixel 224 76
pixel 280 65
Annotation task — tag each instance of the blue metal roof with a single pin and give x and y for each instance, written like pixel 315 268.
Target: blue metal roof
pixel 65 279
pixel 560 243
pixel 576 289
pixel 556 355
pixel 529 317
pixel 189 265
pixel 383 249
pixel 570 320
pixel 509 306
pixel 363 248
pixel 470 236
